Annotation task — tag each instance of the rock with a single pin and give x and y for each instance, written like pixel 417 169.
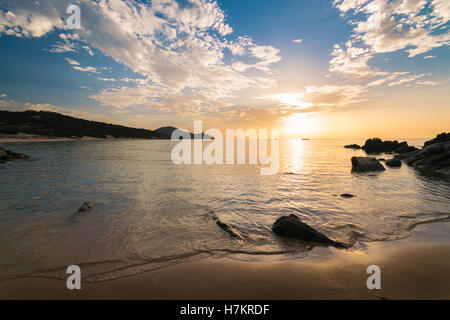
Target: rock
pixel 352 146
pixel 443 137
pixel 6 155
pixel 228 229
pixel 87 206
pixel 291 226
pixel 361 164
pixel 381 159
pixel 433 157
pixel 347 195
pixel 376 145
pixel 394 163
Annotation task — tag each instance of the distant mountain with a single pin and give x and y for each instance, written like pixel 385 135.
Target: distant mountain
pixel 169 130
pixel 52 124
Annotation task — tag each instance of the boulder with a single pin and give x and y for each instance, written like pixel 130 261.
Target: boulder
pixel 352 146
pixel 361 164
pixel 443 137
pixel 395 163
pixel 376 145
pixel 6 155
pixel 291 226
pixel 433 157
pixel 87 206
pixel 347 195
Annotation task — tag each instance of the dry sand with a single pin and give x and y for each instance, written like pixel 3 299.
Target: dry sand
pixel 414 268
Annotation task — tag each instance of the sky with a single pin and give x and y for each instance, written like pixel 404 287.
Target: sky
pixel 317 69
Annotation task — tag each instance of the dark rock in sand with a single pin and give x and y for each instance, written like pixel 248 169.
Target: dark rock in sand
pixel 376 145
pixel 228 229
pixel 291 226
pixel 87 206
pixel 352 146
pixel 361 164
pixel 347 195
pixel 6 155
pixel 433 157
pixel 394 163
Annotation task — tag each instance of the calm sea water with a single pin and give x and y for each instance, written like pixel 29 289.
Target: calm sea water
pixel 151 213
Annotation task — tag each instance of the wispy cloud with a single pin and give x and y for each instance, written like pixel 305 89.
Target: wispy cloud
pixel 297 40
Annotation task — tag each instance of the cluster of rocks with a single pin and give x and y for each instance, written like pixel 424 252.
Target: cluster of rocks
pixel 433 157
pixel 6 155
pixel 376 145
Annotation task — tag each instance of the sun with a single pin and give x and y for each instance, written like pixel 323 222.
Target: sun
pixel 301 125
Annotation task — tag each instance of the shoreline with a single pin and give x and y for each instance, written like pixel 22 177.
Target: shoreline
pixel 412 268
pixel 62 139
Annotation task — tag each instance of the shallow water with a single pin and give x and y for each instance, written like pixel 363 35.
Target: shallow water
pixel 151 213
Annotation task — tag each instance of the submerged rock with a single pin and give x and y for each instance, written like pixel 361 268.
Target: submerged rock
pixel 361 164
pixel 352 146
pixel 6 155
pixel 347 195
pixel 394 163
pixel 228 229
pixel 87 206
pixel 291 226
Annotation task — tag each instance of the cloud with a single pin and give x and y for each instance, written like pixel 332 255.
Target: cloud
pixel 297 40
pixel 72 62
pixel 86 69
pixel 382 26
pixel 2 95
pixel 107 79
pixel 406 80
pixel 175 48
pixel 427 83
pixel 429 57
pixel 89 50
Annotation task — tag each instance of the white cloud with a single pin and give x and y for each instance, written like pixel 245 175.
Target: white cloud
pixel 429 57
pixel 387 26
pixel 72 62
pixel 86 69
pixel 89 50
pixel 107 79
pixel 176 49
pixel 406 80
pixel 427 83
pixel 297 40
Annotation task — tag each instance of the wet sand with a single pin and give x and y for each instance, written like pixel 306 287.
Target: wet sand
pixel 414 268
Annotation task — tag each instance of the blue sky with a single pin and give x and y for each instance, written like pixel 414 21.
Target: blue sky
pixel 302 65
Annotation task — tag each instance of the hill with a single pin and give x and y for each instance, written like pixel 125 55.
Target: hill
pixel 52 124
pixel 169 130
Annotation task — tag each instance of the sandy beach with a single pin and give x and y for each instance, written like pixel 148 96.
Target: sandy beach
pixel 412 268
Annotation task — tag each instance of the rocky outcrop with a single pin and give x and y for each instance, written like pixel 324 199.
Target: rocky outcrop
pixel 87 206
pixel 376 145
pixel 433 157
pixel 362 164
pixel 291 226
pixel 393 163
pixel 6 155
pixel 352 146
